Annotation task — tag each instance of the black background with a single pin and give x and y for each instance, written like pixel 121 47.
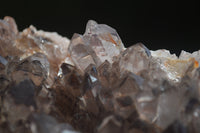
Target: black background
pixel 160 24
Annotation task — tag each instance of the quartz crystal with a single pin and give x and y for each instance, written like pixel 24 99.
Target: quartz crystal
pixel 104 40
pixel 135 59
pixel 93 84
pixel 99 43
pixel 175 67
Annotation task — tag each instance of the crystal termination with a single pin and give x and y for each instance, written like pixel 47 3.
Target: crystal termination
pixel 93 84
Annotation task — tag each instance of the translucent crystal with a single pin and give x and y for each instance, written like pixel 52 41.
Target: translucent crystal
pixel 81 54
pixel 104 73
pixel 104 40
pixel 169 114
pixel 49 84
pixel 110 124
pixel 176 99
pixel 174 67
pixel 52 45
pixel 99 43
pixel 3 61
pixel 35 67
pixel 146 104
pixel 67 89
pixel 8 34
pixel 41 123
pixel 4 81
pixel 125 94
pixel 186 55
pixel 134 59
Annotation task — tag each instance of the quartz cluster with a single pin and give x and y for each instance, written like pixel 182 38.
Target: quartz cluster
pixel 93 84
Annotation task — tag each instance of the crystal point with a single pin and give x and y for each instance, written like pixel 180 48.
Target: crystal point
pixel 104 40
pixel 135 59
pixel 92 83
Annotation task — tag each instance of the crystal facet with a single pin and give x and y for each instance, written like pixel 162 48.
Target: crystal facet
pixel 91 83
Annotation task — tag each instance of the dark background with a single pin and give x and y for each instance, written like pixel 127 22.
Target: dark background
pixel 158 24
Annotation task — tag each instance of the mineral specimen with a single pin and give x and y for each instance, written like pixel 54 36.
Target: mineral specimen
pixel 92 83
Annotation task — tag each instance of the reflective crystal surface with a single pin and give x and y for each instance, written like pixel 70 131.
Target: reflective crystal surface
pixel 175 67
pixel 93 84
pixel 135 59
pixel 82 55
pixel 104 40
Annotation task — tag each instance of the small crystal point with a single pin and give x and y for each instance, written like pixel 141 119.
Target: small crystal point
pixel 104 40
pixel 91 26
pixel 135 59
pixel 82 55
